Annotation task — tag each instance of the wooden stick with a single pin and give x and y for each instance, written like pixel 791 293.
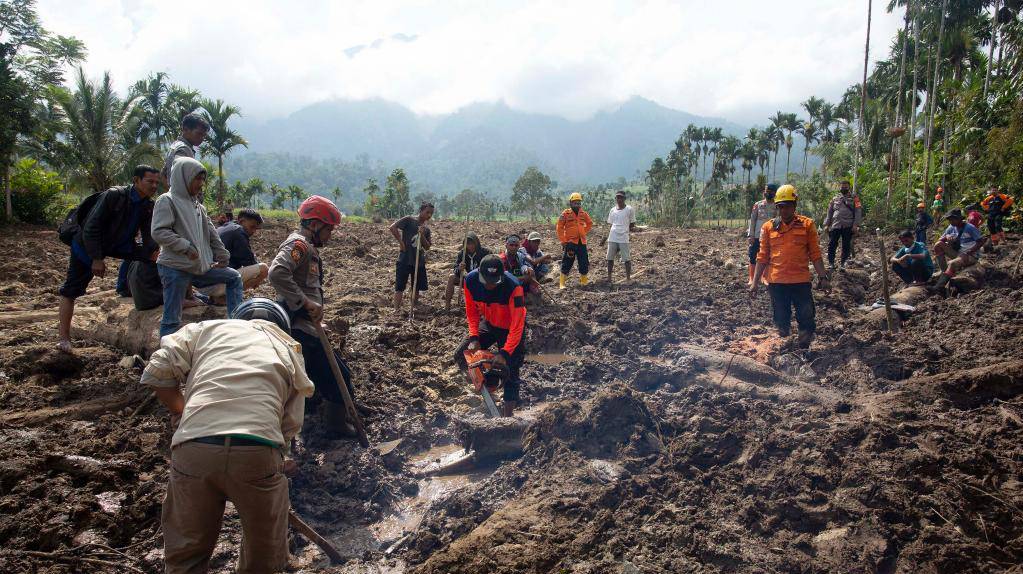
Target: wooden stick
pixel 340 380
pixel 465 248
pixel 307 531
pixel 884 282
pixel 415 277
pixel 1018 259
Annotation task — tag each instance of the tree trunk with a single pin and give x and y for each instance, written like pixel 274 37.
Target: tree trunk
pixel 788 156
pixel 220 183
pixel 933 98
pixel 7 189
pixel 991 49
pixel 895 153
pixel 863 105
pixel 774 166
pixel 806 150
pixel 913 106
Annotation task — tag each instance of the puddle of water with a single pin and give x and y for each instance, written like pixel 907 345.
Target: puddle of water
pixel 550 358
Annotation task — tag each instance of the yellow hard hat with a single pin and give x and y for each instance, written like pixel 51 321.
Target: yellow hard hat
pixel 786 193
pixel 575 197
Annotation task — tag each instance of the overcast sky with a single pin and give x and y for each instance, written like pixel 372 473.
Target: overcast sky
pixel 738 59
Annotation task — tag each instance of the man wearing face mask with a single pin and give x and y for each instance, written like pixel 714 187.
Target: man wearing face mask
pixel 297 275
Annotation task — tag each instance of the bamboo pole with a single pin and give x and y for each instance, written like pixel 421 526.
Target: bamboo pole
pixel 884 281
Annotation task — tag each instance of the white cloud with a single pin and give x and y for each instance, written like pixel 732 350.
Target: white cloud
pixel 741 59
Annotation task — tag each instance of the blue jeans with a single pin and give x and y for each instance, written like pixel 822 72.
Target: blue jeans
pixel 122 277
pixel 176 284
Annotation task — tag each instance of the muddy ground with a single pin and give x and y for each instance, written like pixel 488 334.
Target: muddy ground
pixel 671 431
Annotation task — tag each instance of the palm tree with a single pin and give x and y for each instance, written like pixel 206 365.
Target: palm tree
pixel 792 124
pixel 811 134
pixel 221 139
pixel 296 194
pixel 151 94
pixel 778 132
pixel 100 129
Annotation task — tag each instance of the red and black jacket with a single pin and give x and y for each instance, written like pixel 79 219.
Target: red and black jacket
pixel 503 307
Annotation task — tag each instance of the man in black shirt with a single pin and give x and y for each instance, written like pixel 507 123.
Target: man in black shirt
pixel 411 232
pixel 235 235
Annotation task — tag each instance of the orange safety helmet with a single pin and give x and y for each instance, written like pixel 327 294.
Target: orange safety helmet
pixel 321 209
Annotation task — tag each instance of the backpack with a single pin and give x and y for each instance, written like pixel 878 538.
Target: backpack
pixel 72 224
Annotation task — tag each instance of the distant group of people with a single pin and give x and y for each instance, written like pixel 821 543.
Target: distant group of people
pixel 782 246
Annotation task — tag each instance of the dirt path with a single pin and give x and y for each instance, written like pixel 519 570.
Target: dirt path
pixel 672 432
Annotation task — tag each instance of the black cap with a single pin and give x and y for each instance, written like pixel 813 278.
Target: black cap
pixel 772 187
pixel 491 270
pixel 620 193
pixel 513 238
pixel 954 214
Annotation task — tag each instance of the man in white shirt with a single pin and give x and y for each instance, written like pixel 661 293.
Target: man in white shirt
pixel 239 388
pixel 623 220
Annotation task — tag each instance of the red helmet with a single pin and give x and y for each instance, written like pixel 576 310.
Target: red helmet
pixel 320 208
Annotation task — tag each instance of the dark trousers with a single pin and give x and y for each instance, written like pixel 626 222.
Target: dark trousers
pixel 753 250
pixel 833 236
pixel 916 272
pixel 490 335
pixel 573 252
pixel 317 366
pixel 994 223
pixel 79 273
pixel 785 296
pixel 921 235
pixel 122 277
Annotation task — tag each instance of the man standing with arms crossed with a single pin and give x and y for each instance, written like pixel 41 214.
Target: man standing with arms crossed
pixel 788 244
pixel 623 221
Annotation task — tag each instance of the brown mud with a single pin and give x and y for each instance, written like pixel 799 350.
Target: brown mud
pixel 669 429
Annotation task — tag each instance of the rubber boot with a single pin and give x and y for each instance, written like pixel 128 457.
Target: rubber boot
pixel 584 279
pixel 335 419
pixel 561 282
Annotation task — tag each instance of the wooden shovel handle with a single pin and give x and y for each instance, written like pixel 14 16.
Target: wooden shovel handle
pixel 340 380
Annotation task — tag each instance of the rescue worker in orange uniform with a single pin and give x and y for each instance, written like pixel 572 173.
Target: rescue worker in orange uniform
pixel 788 244
pixel 573 226
pixel 997 206
pixel 495 308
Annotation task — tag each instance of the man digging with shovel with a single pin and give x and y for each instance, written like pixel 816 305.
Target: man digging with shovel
pixel 495 296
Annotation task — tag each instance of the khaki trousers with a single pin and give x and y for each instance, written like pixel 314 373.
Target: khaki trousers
pixel 202 478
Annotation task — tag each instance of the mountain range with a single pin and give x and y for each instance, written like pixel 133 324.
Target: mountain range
pixel 483 146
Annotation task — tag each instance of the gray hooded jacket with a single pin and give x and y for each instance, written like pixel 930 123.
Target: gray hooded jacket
pixel 181 225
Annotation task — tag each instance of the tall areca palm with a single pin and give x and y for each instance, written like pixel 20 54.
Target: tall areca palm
pixel 811 135
pixel 792 125
pixel 778 132
pixel 100 129
pixel 221 139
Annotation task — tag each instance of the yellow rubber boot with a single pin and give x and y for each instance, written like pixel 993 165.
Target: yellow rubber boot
pixel 561 282
pixel 584 279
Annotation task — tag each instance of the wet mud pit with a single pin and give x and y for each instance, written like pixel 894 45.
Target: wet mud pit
pixel 668 429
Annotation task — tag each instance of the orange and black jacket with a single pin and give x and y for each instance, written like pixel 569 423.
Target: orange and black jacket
pixel 1002 203
pixel 787 249
pixel 572 227
pixel 503 307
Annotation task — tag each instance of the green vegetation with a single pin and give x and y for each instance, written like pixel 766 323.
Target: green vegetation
pixel 937 111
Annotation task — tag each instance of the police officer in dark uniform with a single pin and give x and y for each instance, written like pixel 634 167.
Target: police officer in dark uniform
pixel 297 275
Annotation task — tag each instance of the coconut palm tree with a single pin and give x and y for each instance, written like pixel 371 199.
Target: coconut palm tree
pixel 221 139
pixel 151 94
pixel 100 129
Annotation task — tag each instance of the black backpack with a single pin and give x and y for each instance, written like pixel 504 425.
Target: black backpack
pixel 72 224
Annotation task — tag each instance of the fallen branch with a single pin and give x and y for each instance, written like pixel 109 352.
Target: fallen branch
pixel 61 557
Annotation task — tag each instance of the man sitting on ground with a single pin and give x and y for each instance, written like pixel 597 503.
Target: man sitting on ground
pixel 238 387
pixel 961 242
pixel 913 262
pixel 236 235
pixel 473 253
pixel 540 261
pixel 108 231
pixel 514 261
